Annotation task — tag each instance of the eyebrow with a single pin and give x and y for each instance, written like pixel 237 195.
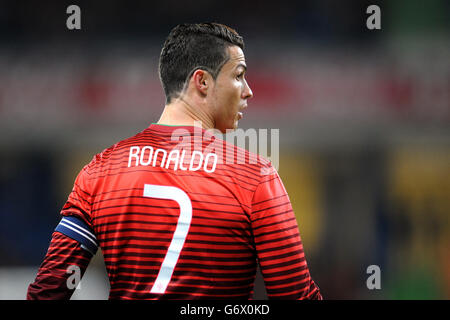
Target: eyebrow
pixel 242 65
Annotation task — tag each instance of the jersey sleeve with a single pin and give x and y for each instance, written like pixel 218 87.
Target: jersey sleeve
pixel 76 222
pixel 79 201
pixel 64 257
pixel 72 246
pixel 278 243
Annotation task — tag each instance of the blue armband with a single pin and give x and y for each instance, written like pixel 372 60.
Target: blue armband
pixel 78 230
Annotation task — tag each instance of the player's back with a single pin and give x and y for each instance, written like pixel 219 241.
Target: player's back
pixel 170 210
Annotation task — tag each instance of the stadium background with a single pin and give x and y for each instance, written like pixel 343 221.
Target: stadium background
pixel 363 116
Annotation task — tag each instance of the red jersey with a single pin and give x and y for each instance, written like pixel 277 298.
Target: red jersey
pixel 179 214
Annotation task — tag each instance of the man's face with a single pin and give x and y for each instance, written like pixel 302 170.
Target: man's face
pixel 230 92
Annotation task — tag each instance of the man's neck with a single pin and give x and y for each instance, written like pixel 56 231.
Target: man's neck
pixel 182 113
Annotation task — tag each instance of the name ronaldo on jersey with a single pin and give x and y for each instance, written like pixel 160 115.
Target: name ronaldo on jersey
pixel 175 159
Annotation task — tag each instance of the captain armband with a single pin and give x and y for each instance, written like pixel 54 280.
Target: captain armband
pixel 78 230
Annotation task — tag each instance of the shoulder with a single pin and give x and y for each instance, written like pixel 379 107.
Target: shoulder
pixel 101 158
pixel 235 155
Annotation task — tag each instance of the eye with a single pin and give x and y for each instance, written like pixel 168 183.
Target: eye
pixel 240 76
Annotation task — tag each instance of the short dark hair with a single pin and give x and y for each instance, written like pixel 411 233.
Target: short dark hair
pixel 190 47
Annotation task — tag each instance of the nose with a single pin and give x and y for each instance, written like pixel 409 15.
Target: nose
pixel 247 93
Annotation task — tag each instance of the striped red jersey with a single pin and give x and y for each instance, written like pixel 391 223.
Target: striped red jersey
pixel 179 214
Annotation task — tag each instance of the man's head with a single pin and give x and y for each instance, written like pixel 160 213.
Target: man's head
pixel 206 60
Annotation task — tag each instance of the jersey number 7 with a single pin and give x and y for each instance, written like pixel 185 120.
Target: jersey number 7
pixel 179 236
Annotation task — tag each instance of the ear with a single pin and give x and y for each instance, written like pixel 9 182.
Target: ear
pixel 202 80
